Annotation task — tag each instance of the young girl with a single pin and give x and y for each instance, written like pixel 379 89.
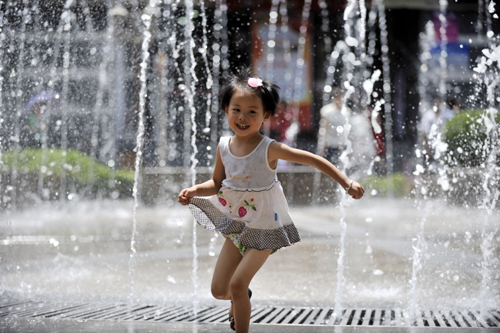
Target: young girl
pixel 244 199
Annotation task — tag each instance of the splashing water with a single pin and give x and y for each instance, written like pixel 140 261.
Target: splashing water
pixel 387 91
pixel 17 130
pixel 344 157
pixel 209 83
pixel 443 64
pixel 146 19
pixel 340 261
pixel 97 118
pixel 437 147
pixel 270 47
pixel 191 80
pixel 419 247
pixel 219 48
pixel 426 39
pixel 489 74
pixel 351 52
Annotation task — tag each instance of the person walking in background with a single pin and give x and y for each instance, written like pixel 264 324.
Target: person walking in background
pixel 363 142
pixel 244 200
pixel 35 121
pixel 430 127
pixel 332 140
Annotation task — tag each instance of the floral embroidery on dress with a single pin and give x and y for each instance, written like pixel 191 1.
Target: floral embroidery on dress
pixel 221 198
pixel 246 206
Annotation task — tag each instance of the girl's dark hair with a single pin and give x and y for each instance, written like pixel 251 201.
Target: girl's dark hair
pixel 268 92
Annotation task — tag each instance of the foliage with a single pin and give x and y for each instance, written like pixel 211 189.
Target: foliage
pixel 81 171
pixel 465 135
pixel 400 185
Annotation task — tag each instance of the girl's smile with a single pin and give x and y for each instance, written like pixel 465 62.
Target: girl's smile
pixel 242 126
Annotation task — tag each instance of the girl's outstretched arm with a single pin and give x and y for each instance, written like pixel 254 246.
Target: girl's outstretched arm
pixel 210 187
pixel 280 151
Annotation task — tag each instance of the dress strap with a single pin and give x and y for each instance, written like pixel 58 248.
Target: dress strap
pixel 224 145
pixel 266 161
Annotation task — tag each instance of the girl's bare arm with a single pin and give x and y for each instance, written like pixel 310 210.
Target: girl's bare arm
pixel 210 187
pixel 283 152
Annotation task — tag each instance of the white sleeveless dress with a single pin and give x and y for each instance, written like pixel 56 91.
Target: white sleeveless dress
pixel 250 206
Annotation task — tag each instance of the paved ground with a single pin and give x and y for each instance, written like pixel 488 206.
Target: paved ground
pixel 17 325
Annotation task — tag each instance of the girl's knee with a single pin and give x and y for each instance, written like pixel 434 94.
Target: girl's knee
pixel 219 293
pixel 238 287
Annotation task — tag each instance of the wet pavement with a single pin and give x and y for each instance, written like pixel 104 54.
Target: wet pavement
pixel 23 325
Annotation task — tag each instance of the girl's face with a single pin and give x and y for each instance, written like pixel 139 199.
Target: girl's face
pixel 245 113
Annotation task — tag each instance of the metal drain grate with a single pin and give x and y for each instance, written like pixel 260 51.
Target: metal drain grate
pixel 260 314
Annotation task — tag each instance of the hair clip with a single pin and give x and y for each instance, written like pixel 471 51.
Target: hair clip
pixel 254 82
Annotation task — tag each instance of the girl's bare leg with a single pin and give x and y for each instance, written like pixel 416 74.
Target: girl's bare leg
pixel 228 261
pixel 249 265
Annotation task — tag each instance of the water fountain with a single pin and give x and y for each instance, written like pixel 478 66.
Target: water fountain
pixel 123 103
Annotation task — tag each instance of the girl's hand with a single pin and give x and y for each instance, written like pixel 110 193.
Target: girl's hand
pixel 186 195
pixel 356 191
